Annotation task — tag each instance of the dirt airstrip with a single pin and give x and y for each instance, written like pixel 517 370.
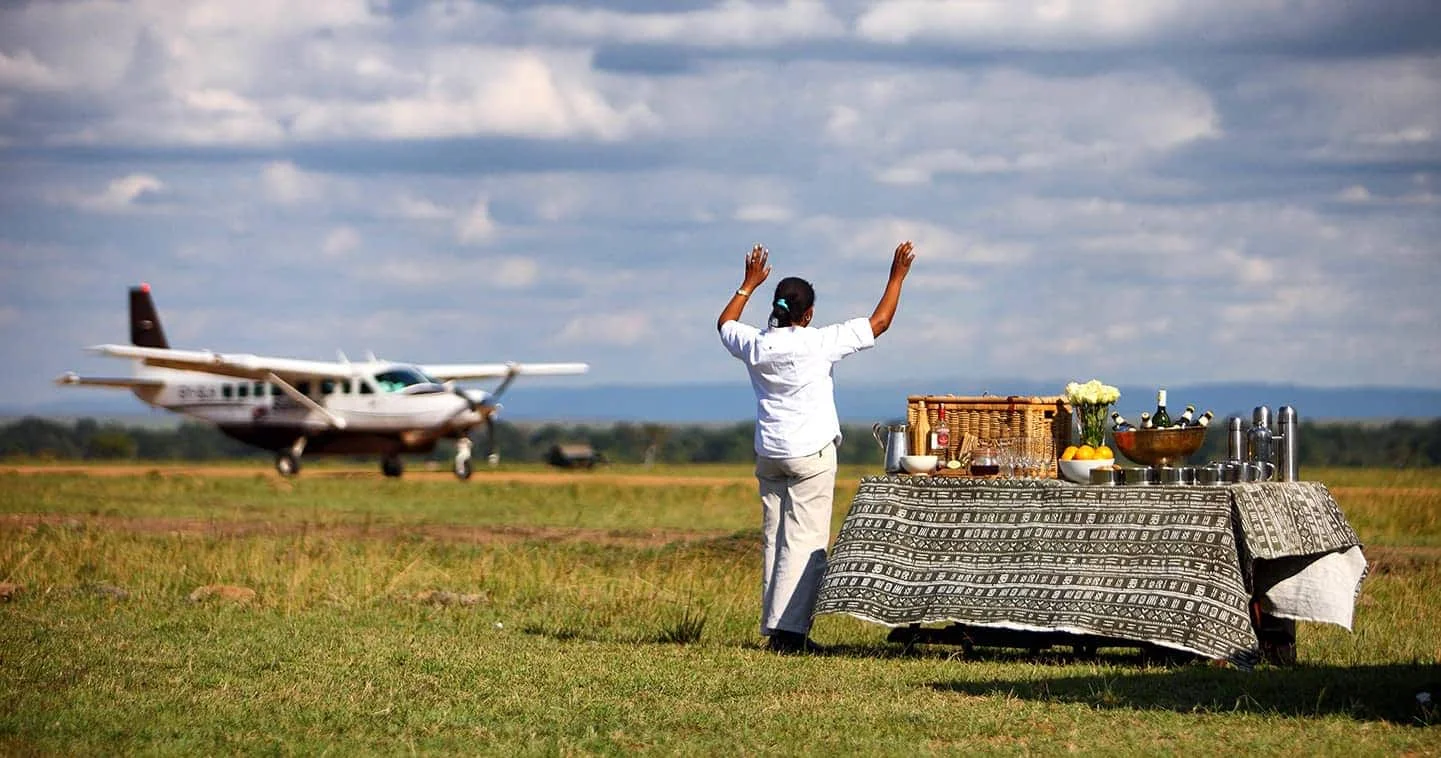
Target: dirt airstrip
pixel 1379 556
pixel 423 474
pixel 448 532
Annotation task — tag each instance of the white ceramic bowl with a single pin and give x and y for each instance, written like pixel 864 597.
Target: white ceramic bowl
pixel 919 464
pixel 1080 471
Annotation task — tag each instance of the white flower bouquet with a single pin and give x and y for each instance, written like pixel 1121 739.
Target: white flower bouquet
pixel 1091 402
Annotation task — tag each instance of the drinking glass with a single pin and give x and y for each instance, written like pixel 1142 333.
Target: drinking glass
pixel 1008 457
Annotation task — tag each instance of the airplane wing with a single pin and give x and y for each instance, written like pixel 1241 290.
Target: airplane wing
pixel 447 372
pixel 72 378
pixel 240 365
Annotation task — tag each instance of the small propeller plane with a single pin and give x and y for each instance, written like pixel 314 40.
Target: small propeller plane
pixel 293 407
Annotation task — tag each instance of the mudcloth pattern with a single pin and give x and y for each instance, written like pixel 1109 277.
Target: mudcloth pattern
pixel 1156 564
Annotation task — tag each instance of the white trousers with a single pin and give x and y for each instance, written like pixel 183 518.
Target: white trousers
pixel 796 496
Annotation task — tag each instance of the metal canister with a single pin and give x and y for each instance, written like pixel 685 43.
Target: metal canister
pixel 1287 442
pixel 1258 439
pixel 1235 439
pixel 1144 476
pixel 1211 475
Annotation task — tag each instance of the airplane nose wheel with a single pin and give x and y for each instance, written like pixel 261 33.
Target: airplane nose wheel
pixel 391 466
pixel 287 464
pixel 462 458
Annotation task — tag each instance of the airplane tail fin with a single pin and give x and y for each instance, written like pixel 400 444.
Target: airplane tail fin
pixel 145 328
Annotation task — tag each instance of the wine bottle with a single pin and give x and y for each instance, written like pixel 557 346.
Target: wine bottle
pixel 1161 418
pixel 1185 419
pixel 1146 421
pixel 1204 419
pixel 1120 424
pixel 940 434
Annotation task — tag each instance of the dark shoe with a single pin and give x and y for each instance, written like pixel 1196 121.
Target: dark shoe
pixel 792 643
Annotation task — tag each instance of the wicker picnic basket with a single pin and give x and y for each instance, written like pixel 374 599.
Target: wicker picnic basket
pixel 1042 422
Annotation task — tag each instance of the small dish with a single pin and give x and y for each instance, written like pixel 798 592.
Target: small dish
pixel 919 464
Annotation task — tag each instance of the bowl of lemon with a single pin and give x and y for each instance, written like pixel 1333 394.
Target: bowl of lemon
pixel 1077 461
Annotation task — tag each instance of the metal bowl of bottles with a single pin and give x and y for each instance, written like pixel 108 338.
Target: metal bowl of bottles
pixel 1160 447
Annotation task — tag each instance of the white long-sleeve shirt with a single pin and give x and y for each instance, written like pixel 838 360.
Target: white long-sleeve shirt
pixel 791 373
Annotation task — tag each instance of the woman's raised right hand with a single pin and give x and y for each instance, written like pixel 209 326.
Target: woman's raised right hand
pixel 756 267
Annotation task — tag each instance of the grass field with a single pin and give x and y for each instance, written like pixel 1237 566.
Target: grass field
pixel 614 611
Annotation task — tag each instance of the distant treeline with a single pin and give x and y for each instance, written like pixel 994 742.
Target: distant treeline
pixel 1397 444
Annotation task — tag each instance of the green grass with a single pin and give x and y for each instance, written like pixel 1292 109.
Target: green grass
pixel 601 646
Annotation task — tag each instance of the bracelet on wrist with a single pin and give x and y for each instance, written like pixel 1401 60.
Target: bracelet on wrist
pixel 743 292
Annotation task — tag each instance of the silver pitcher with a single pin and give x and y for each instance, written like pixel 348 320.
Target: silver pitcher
pixel 895 440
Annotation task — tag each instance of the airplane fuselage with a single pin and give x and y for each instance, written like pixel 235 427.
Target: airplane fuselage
pixel 378 416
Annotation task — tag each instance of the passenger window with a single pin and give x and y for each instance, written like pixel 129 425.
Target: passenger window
pixel 365 388
pixel 345 386
pixel 242 390
pixel 259 389
pixel 303 388
pixel 227 391
pixel 275 390
pixel 327 386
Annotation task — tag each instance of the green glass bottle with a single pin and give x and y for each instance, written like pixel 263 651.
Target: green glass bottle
pixel 1161 418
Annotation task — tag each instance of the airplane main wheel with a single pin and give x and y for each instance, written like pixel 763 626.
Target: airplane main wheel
pixel 462 469
pixel 391 466
pixel 287 464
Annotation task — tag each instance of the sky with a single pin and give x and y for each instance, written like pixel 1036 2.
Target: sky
pixel 1145 192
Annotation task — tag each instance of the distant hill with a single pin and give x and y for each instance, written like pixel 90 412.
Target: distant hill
pixel 732 401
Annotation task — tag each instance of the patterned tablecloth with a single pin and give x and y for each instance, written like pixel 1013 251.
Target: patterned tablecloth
pixel 1172 566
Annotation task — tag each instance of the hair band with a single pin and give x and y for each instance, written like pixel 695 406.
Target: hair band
pixel 782 303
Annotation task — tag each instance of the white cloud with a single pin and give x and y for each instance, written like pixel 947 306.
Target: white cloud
pixel 415 208
pixel 875 239
pixel 340 241
pixel 622 328
pixel 125 194
pixel 1101 24
pixel 514 273
pixel 1031 23
pixel 1356 193
pixel 264 17
pixel 287 184
pixel 730 23
pixel 481 91
pixel 764 213
pixel 1004 121
pixel 444 273
pixel 476 225
pixel 1351 110
pixel 22 71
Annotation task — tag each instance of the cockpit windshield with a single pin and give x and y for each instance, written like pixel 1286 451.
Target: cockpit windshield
pixel 396 379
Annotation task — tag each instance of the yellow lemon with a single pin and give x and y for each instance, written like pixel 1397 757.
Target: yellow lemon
pixel 1104 453
pixel 1085 453
pixel 1069 453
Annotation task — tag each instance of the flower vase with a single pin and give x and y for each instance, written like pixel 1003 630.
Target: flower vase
pixel 1090 423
